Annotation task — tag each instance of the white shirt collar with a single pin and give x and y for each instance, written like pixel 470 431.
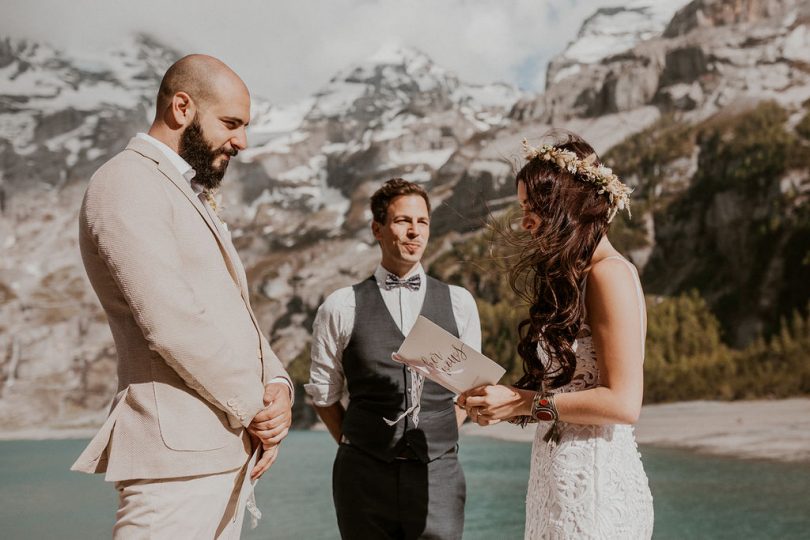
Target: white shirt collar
pixel 177 162
pixel 380 274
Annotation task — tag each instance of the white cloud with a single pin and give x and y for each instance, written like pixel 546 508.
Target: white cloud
pixel 286 50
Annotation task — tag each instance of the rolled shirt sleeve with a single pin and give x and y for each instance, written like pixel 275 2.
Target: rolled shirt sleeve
pixel 468 321
pixel 331 332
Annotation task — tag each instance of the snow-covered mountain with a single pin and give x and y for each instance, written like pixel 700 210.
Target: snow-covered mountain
pixel 707 55
pixel 395 114
pixel 296 200
pixel 611 31
pixel 63 110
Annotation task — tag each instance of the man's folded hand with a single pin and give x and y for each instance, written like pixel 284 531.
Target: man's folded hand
pixel 272 423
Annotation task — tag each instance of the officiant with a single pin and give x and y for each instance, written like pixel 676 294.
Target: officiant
pixel 396 473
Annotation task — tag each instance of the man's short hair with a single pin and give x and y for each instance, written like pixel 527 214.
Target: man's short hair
pixel 393 188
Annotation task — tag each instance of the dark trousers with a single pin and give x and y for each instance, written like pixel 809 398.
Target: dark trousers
pixel 404 499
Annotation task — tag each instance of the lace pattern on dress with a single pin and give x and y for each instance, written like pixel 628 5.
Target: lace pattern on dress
pixel 590 485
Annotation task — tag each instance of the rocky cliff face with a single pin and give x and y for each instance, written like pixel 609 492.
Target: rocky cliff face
pixel 722 209
pixel 709 55
pixel 296 200
pixel 722 179
pixel 60 118
pixel 721 185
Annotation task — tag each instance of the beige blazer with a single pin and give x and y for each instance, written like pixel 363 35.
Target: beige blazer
pixel 192 361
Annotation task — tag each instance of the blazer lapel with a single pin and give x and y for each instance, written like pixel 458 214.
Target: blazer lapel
pixel 169 171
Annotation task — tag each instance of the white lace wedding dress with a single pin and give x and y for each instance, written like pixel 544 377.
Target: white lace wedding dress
pixel 590 485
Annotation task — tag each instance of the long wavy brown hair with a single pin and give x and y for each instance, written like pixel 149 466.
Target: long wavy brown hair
pixel 552 266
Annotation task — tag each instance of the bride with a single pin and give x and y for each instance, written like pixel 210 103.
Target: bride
pixel 582 346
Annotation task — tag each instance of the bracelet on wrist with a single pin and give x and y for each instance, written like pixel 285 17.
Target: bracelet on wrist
pixel 543 408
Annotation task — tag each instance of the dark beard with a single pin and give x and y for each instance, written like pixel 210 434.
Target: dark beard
pixel 198 153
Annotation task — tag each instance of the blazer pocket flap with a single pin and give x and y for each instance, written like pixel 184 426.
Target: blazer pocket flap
pixel 187 421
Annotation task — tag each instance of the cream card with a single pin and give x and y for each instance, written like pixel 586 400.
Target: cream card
pixel 445 359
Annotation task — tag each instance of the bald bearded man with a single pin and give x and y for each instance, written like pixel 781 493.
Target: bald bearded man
pixel 202 400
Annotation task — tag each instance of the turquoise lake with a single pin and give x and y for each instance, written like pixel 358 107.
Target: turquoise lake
pixel 695 496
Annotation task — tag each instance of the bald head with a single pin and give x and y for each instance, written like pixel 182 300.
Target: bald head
pixel 203 110
pixel 200 76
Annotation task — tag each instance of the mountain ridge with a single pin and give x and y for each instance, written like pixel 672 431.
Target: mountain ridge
pixel 296 200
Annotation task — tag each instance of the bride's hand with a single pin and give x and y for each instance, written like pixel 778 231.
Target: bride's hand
pixel 489 404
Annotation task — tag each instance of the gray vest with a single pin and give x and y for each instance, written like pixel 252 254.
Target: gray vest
pixel 379 387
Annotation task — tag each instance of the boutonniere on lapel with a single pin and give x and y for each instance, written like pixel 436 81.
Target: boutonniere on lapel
pixel 210 197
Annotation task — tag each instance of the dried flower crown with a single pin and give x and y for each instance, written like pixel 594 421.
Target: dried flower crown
pixel 584 169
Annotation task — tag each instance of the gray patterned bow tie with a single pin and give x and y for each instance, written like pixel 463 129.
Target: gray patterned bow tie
pixel 413 282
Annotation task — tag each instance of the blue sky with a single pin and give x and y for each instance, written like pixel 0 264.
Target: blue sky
pixel 287 50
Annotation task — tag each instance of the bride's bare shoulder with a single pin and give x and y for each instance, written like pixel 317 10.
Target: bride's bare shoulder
pixel 611 280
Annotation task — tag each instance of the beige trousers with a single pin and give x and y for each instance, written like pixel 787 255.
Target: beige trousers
pixel 199 507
